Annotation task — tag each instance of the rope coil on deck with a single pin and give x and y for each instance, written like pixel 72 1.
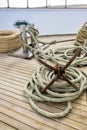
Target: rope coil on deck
pixel 60 91
pixel 9 41
pixel 62 54
pixel 81 35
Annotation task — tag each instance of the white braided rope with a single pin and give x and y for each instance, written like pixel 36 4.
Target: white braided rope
pixel 62 55
pixel 58 92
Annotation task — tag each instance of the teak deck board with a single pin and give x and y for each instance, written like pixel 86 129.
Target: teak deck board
pixel 15 111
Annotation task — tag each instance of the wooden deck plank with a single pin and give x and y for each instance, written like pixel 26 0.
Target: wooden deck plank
pixel 15 123
pixel 4 126
pixel 25 110
pixel 24 119
pixel 56 110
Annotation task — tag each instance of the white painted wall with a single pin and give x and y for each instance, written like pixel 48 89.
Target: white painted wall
pixel 48 21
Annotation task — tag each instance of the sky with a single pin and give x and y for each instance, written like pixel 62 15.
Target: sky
pixel 39 3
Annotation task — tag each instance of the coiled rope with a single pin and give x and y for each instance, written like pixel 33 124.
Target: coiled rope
pixel 35 42
pixel 60 91
pixel 81 35
pixel 61 55
pixel 9 41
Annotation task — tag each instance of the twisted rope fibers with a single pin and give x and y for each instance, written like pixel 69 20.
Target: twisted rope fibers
pixel 82 34
pixel 61 55
pixel 34 35
pixel 60 91
pixel 9 41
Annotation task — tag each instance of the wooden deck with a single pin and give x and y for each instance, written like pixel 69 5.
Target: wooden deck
pixel 17 114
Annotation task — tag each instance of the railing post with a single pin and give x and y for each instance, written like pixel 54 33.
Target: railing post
pixel 7 3
pixel 65 3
